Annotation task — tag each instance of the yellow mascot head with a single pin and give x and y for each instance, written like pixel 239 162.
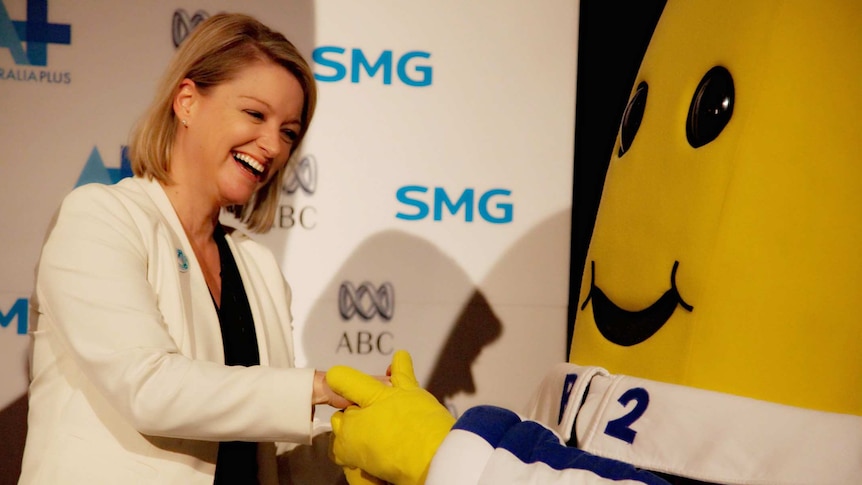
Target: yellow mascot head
pixel 727 251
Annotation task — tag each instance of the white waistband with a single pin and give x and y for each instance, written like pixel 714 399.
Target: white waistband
pixel 699 434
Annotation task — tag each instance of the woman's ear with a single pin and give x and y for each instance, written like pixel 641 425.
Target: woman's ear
pixel 184 99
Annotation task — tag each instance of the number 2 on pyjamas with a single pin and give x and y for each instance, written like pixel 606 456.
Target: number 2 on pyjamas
pixel 620 428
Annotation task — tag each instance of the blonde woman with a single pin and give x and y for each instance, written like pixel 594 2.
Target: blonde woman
pixel 162 350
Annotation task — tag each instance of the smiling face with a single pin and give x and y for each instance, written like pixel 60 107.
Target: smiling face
pixel 238 134
pixel 726 249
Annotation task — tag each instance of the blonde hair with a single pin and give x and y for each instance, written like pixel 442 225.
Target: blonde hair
pixel 214 53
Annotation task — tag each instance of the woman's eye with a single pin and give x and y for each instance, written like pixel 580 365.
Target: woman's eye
pixel 290 135
pixel 255 114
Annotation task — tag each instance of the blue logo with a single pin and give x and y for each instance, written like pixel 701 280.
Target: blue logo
pixel 36 32
pixel 488 205
pixel 338 63
pixel 95 170
pixel 21 310
pixel 182 261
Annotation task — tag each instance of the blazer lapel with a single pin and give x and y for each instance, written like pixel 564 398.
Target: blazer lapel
pixel 201 330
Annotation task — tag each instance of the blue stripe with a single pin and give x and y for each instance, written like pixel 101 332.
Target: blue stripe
pixel 489 422
pixel 531 442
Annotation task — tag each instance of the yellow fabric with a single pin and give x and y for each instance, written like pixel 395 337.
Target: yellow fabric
pixel 357 476
pixel 765 221
pixel 393 431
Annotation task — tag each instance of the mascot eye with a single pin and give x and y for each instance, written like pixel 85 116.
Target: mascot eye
pixel 632 118
pixel 711 107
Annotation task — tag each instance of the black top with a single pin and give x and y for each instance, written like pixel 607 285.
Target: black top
pixel 237 460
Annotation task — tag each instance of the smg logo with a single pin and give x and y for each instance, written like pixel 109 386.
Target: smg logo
pixel 36 32
pixel 20 310
pixel 493 206
pixel 339 63
pixel 95 170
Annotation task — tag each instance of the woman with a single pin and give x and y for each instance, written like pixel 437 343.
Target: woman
pixel 162 349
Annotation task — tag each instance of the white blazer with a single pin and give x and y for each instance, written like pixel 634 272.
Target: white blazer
pixel 127 378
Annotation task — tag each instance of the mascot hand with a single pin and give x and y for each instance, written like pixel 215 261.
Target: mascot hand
pixel 356 476
pixel 393 431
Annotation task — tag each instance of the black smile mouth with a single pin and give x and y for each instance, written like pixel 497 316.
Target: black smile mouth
pixel 628 328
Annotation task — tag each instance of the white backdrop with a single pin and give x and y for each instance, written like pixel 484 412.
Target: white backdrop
pixel 430 211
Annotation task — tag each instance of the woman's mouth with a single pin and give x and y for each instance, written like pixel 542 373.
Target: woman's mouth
pixel 250 164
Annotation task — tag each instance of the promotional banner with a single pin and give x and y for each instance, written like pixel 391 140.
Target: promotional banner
pixel 429 208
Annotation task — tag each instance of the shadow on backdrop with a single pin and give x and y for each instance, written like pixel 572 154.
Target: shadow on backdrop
pixel 446 320
pixel 524 293
pixel 399 291
pixel 476 327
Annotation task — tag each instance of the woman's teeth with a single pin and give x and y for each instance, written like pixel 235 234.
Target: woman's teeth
pixel 253 165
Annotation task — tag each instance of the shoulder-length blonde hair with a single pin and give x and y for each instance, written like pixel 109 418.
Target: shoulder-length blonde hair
pixel 214 53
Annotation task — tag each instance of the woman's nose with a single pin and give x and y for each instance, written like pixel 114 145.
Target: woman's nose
pixel 269 141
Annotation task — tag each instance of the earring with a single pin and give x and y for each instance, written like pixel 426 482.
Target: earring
pixel 185 123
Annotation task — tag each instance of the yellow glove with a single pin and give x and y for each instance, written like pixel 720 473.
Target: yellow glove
pixel 394 431
pixel 356 476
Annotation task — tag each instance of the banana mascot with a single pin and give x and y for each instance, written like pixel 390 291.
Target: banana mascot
pixel 719 329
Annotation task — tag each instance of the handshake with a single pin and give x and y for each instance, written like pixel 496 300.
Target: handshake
pixel 391 433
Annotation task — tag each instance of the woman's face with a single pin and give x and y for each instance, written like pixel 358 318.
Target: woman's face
pixel 240 132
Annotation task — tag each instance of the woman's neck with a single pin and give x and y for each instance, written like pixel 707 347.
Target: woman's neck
pixel 197 216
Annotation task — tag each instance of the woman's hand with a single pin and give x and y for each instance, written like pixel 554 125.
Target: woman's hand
pixel 323 394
